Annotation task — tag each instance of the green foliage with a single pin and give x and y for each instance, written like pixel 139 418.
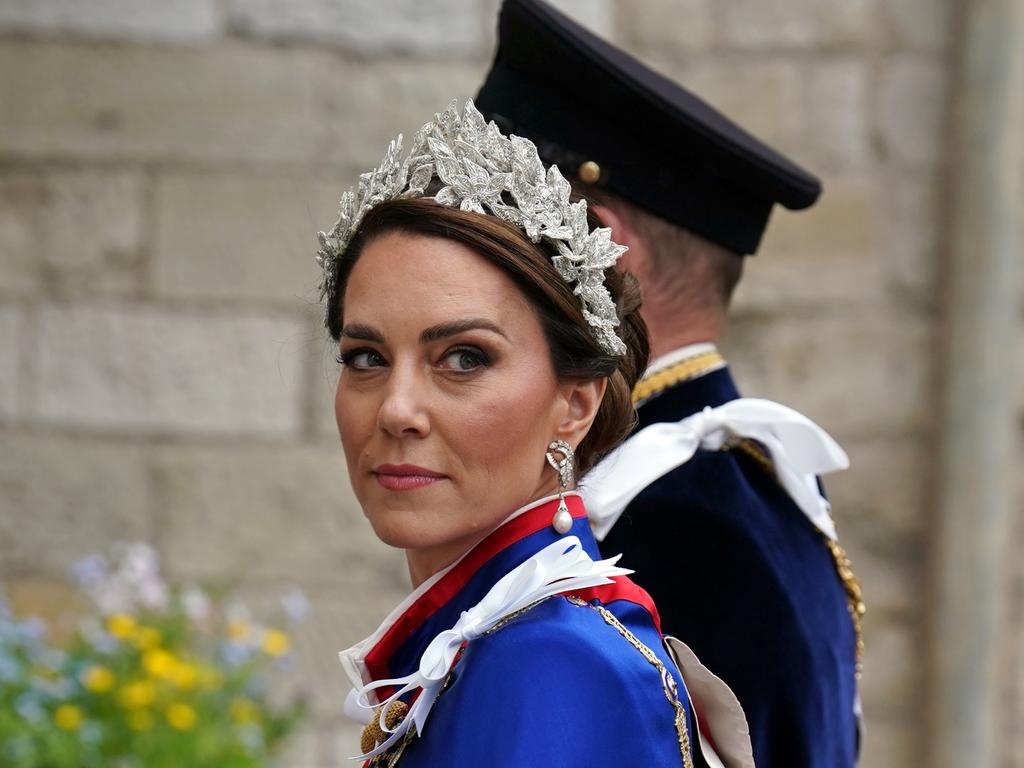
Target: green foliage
pixel 155 677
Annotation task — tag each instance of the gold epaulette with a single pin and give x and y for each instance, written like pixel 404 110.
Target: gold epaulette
pixel 690 368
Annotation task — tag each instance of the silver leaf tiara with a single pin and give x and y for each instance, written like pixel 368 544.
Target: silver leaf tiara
pixel 484 171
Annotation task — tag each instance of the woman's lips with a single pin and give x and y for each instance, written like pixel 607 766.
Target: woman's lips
pixel 405 477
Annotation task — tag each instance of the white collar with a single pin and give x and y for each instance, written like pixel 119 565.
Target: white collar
pixel 669 359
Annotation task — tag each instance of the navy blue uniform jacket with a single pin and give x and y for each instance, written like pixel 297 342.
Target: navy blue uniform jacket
pixel 741 576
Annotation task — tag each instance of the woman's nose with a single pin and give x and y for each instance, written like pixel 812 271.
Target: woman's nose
pixel 403 411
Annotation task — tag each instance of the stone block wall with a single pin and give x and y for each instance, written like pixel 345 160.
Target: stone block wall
pixel 163 373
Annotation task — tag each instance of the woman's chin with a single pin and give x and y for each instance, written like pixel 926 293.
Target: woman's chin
pixel 405 528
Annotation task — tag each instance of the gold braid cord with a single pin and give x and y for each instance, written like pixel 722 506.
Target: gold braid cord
pixel 684 370
pixel 667 681
pixel 844 567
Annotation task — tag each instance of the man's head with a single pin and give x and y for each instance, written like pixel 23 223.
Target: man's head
pixel 687 280
pixel 688 190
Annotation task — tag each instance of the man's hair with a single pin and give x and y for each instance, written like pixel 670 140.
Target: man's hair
pixel 699 273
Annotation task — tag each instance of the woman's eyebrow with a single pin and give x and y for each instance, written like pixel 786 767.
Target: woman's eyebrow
pixel 363 333
pixel 444 330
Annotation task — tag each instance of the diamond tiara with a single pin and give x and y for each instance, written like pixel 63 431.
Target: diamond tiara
pixel 484 171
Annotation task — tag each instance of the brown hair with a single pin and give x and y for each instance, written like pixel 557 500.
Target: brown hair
pixel 575 354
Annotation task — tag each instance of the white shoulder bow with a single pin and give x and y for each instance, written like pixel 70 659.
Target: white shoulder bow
pixel 800 451
pixel 563 566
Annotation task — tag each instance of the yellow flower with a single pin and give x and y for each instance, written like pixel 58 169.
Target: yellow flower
pixel 137 695
pixel 181 716
pixel 68 717
pixel 185 676
pixel 275 643
pixel 159 663
pixel 121 626
pixel 243 710
pixel 140 720
pixel 238 630
pixel 145 638
pixel 98 679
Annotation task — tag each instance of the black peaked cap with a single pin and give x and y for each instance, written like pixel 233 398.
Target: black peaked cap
pixel 654 143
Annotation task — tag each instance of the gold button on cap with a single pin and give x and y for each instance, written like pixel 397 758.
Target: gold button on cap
pixel 589 172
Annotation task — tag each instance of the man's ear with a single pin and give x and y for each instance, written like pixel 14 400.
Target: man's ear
pixel 582 399
pixel 613 219
pixel 623 233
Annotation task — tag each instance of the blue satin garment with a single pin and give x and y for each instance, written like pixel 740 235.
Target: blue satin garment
pixel 741 576
pixel 555 686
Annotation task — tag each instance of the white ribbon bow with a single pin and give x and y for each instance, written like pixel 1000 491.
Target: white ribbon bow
pixel 563 566
pixel 800 451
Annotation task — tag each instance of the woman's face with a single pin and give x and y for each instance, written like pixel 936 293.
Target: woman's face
pixel 447 399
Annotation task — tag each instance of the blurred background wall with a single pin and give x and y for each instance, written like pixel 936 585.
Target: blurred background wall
pixel 163 374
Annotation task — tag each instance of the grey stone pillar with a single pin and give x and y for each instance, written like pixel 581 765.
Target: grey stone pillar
pixel 974 488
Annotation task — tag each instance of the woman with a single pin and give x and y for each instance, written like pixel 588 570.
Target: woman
pixel 488 350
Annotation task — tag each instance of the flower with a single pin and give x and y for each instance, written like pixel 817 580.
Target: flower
pixel 181 716
pixel 184 675
pixel 159 663
pixel 137 695
pixel 121 625
pixel 98 679
pixel 196 604
pixel 239 631
pixel 90 572
pixel 28 705
pixel 296 605
pixel 138 670
pixel 145 637
pixel 275 643
pixel 68 717
pixel 9 669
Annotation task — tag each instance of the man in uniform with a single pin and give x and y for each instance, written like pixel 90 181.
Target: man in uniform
pixel 737 551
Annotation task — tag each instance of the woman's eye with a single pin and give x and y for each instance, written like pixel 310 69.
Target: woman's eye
pixel 361 359
pixel 464 359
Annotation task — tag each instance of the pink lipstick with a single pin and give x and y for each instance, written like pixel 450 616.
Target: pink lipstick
pixel 405 477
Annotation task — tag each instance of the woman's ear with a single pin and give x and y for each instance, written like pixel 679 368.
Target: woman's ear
pixel 582 399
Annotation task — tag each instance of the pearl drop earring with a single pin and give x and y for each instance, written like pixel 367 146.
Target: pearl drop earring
pixel 562 520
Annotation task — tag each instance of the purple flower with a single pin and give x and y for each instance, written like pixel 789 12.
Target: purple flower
pixel 296 605
pixel 90 572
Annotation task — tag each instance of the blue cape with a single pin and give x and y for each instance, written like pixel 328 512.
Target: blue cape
pixel 560 684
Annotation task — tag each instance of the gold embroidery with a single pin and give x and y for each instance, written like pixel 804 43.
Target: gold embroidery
pixel 667 681
pixel 690 368
pixel 515 615
pixel 844 567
